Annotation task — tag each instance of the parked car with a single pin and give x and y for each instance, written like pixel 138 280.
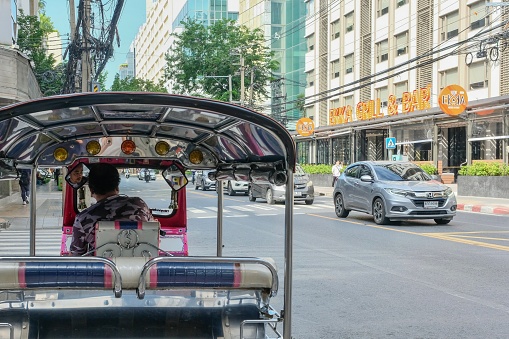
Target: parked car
pixel 202 181
pixel 394 190
pixel 141 174
pixel 234 187
pixel 302 185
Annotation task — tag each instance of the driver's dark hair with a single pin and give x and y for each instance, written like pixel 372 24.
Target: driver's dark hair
pixel 103 178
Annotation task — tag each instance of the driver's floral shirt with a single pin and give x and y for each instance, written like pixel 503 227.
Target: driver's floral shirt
pixel 117 207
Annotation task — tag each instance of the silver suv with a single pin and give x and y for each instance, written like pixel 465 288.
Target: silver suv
pixel 302 186
pixel 393 191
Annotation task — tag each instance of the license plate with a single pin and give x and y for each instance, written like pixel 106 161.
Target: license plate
pixel 297 194
pixel 431 204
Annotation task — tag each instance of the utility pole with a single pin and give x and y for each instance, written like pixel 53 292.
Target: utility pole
pixel 251 88
pixel 85 52
pixel 241 79
pixel 72 18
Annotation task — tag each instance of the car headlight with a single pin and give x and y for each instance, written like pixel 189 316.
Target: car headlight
pixel 448 192
pixel 401 193
pixel 309 184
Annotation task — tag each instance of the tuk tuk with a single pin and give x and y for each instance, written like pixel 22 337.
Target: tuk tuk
pixel 141 281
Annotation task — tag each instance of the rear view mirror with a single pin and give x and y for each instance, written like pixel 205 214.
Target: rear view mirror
pixel 78 175
pixel 175 177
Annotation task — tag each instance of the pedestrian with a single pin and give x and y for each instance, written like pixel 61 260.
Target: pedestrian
pixel 336 172
pixel 24 184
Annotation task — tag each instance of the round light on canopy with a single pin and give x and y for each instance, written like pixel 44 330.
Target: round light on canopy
pixel 162 148
pixel 93 147
pixel 196 157
pixel 128 147
pixel 60 154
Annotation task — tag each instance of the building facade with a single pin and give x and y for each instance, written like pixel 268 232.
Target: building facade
pixel 282 23
pixel 163 18
pixel 376 69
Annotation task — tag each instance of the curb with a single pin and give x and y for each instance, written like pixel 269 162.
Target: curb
pixel 483 209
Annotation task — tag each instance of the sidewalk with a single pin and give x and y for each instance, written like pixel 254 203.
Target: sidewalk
pixel 465 203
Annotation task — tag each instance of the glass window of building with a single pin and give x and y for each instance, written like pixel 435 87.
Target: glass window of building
pixel 477 75
pixel 400 3
pixel 349 63
pixel 382 51
pixel 399 89
pixel 348 100
pixel 310 78
pixel 478 15
pixel 349 22
pixel 309 112
pixel 401 43
pixel 311 42
pixel 334 28
pixel 382 93
pixel 449 26
pixel 310 8
pixel 303 152
pixel 448 77
pixel 276 36
pixel 335 69
pixel 382 7
pixel 276 13
pixel 322 149
pixel 334 103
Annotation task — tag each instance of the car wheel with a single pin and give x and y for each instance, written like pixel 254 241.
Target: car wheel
pixel 379 212
pixel 250 194
pixel 269 196
pixel 442 221
pixel 203 188
pixel 339 207
pixel 196 186
pixel 310 202
pixel 230 189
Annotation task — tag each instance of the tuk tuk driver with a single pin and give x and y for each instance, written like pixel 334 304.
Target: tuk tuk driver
pixel 103 181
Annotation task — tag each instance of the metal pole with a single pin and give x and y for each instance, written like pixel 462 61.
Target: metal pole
pixel 33 210
pixel 287 316
pixel 241 80
pixel 219 188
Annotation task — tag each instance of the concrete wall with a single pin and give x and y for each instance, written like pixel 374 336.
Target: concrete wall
pixel 18 82
pixel 483 186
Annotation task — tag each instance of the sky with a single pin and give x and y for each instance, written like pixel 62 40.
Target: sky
pixel 131 18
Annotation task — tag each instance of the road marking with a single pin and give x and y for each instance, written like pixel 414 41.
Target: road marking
pixel 440 236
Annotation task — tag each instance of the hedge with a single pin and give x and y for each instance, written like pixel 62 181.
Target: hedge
pixel 484 169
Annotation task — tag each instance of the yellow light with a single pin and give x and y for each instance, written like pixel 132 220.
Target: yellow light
pixel 128 147
pixel 93 147
pixel 60 154
pixel 196 157
pixel 162 148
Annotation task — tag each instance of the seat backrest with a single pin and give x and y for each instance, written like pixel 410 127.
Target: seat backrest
pixel 126 238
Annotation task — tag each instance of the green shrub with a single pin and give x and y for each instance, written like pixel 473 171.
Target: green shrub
pixel 317 169
pixel 484 169
pixel 429 168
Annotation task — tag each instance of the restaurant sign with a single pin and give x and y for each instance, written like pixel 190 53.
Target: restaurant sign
pixel 418 100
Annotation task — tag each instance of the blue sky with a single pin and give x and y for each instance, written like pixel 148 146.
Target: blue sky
pixel 131 18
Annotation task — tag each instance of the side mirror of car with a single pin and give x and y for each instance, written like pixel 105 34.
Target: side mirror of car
pixel 77 176
pixel 366 178
pixel 175 177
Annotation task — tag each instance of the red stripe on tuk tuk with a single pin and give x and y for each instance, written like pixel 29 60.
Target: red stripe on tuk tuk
pixel 237 275
pixel 21 275
pixel 153 276
pixel 108 277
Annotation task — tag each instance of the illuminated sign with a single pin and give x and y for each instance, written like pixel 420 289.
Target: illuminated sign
pixel 415 101
pixel 305 127
pixel 453 100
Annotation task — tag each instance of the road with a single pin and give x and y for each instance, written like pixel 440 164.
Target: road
pixel 355 279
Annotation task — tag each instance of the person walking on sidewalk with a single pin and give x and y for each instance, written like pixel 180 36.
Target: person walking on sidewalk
pixel 24 184
pixel 336 171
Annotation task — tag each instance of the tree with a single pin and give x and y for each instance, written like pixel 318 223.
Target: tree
pixel 203 57
pixel 30 41
pixel 136 85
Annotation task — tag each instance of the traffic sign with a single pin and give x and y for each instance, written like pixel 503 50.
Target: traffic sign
pixel 390 143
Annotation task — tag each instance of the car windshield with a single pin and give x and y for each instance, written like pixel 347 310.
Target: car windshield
pixel 401 172
pixel 299 170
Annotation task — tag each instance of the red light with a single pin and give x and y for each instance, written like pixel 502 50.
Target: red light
pixel 128 147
